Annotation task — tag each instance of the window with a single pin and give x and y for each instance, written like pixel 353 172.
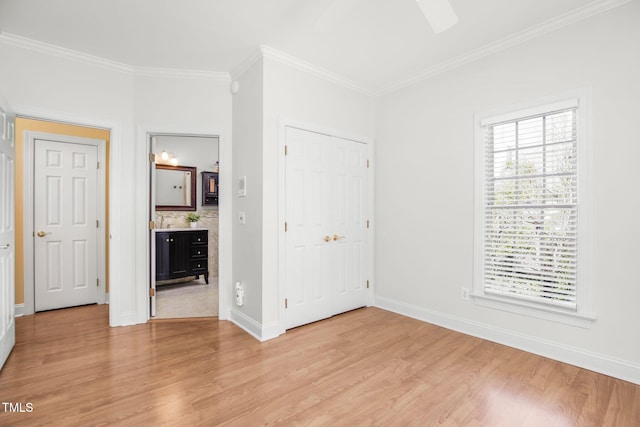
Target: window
pixel 530 201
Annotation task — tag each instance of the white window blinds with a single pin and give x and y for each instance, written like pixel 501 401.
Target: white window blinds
pixel 531 207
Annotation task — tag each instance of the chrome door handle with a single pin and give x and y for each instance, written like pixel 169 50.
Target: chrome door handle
pixel 5 246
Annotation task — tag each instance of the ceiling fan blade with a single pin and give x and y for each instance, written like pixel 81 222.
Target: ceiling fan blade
pixel 439 13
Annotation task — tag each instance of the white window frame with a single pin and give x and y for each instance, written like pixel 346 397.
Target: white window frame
pixel 583 315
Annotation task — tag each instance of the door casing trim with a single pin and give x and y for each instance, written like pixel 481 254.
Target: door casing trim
pixel 28 203
pixel 117 317
pixel 142 273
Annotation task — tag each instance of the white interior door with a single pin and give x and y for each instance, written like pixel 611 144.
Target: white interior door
pixel 7 234
pixel 65 224
pixel 308 257
pixel 326 190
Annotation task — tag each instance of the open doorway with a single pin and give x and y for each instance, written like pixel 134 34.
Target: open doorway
pixel 185 211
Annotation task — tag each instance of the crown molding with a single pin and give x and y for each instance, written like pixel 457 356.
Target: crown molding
pixel 284 58
pixel 546 27
pixel 96 61
pixel 247 63
pixel 61 52
pixel 181 74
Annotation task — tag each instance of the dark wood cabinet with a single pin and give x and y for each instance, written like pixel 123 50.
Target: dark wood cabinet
pixel 209 188
pixel 182 253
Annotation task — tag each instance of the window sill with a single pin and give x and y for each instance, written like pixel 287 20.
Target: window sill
pixel 581 320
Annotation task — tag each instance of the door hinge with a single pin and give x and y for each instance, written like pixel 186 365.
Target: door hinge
pixel 286 150
pixel 98 165
pixel 367 284
pixel 152 292
pixel 367 223
pixel 286 227
pixel 152 225
pixel 152 158
pixel 367 163
pixel 97 223
pixel 98 282
pixel 286 303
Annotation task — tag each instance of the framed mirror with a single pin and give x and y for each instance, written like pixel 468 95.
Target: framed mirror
pixel 175 188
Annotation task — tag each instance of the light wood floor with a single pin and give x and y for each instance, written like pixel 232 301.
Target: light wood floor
pixel 366 367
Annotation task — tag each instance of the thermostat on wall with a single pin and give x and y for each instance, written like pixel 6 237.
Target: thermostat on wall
pixel 242 186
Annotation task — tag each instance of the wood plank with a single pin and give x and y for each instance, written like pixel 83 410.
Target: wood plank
pixel 365 367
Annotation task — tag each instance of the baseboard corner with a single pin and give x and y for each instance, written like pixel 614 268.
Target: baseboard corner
pixel 19 310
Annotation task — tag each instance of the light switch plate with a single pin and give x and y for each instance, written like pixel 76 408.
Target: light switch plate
pixel 242 186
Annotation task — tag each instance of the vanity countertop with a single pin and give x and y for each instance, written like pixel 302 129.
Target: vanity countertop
pixel 180 229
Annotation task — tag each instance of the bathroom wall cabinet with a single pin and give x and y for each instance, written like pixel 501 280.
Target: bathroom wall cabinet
pixel 182 253
pixel 209 188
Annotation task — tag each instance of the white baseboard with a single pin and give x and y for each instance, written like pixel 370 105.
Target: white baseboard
pixel 622 369
pixel 124 319
pixel 247 323
pixel 256 329
pixel 19 310
pixel 271 330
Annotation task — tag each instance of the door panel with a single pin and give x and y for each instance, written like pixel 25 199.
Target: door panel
pixel 325 208
pixel 65 215
pixel 309 269
pixel 350 224
pixel 7 234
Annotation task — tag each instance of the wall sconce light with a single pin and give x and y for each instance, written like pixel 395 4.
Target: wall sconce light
pixel 167 158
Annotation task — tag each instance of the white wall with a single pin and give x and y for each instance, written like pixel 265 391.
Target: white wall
pixel 425 181
pixel 50 85
pixel 35 79
pixel 247 162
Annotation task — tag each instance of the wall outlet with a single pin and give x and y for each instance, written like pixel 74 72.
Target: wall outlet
pixel 239 288
pixel 464 293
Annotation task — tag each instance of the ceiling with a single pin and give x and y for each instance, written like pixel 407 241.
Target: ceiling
pixel 376 44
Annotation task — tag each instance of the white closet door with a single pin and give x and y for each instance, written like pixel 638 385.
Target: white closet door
pixel 326 190
pixel 349 225
pixel 308 207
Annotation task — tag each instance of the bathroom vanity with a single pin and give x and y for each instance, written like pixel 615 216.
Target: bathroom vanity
pixel 182 253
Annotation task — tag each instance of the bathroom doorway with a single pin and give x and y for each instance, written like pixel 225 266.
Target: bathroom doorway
pixel 184 240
